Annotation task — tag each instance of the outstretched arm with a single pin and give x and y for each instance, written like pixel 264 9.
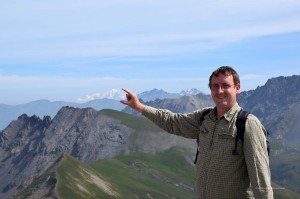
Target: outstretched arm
pixel 132 101
pixel 186 125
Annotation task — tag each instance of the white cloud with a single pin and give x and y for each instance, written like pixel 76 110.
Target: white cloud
pixel 54 82
pixel 92 28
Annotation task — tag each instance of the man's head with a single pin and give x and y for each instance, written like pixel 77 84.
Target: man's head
pixel 227 71
pixel 224 84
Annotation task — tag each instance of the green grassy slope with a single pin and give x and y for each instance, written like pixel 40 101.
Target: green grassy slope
pixel 77 180
pixel 285 166
pixel 282 193
pixel 134 175
pixel 140 124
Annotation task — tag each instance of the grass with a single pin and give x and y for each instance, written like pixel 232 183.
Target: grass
pixel 140 124
pixel 282 193
pixel 285 167
pixel 129 176
pixel 74 180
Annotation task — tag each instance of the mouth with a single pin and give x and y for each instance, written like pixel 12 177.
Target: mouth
pixel 221 97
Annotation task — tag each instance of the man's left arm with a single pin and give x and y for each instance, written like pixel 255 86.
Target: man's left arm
pixel 257 158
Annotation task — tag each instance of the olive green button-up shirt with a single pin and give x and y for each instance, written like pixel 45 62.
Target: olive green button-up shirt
pixel 219 174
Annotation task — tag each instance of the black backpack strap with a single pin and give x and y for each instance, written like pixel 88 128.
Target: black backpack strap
pixel 202 118
pixel 240 126
pixel 268 143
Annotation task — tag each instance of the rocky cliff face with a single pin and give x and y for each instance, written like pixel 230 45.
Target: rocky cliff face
pixel 30 145
pixel 277 94
pixel 277 105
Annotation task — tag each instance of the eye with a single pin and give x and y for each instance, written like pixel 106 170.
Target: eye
pixel 225 86
pixel 215 87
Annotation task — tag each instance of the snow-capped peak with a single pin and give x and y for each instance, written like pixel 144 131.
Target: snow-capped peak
pixel 192 91
pixel 115 94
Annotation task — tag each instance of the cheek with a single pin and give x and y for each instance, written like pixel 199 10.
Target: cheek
pixel 232 96
pixel 213 95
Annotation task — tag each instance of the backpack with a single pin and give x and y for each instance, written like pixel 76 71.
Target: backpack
pixel 240 126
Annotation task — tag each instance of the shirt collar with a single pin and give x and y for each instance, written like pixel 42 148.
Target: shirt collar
pixel 230 114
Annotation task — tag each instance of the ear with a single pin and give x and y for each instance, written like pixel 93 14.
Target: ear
pixel 238 88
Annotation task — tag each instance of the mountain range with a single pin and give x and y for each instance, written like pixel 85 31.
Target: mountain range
pixel 107 100
pixel 83 151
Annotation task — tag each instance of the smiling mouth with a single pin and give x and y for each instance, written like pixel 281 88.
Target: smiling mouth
pixel 221 97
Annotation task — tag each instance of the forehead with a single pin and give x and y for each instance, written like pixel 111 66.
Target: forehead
pixel 222 79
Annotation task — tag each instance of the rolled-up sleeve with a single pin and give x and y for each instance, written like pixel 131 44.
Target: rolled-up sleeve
pixel 257 160
pixel 186 125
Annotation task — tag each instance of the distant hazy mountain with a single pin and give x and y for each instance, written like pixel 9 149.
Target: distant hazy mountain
pixel 107 100
pixel 42 108
pixel 157 94
pixel 161 94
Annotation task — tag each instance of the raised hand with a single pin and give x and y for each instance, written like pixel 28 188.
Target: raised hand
pixel 132 101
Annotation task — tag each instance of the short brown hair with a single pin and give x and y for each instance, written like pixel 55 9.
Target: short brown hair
pixel 227 71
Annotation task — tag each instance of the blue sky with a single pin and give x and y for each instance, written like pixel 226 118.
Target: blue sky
pixel 64 50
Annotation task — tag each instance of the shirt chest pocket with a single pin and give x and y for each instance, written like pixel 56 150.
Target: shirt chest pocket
pixel 226 145
pixel 204 138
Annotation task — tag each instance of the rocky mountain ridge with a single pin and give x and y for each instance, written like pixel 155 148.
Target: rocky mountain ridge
pixel 277 105
pixel 30 146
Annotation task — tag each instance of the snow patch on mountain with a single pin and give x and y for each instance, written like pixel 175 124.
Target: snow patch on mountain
pixel 189 92
pixel 115 94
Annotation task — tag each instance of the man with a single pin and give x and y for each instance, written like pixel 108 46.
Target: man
pixel 220 174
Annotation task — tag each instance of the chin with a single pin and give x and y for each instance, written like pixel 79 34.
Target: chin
pixel 223 104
